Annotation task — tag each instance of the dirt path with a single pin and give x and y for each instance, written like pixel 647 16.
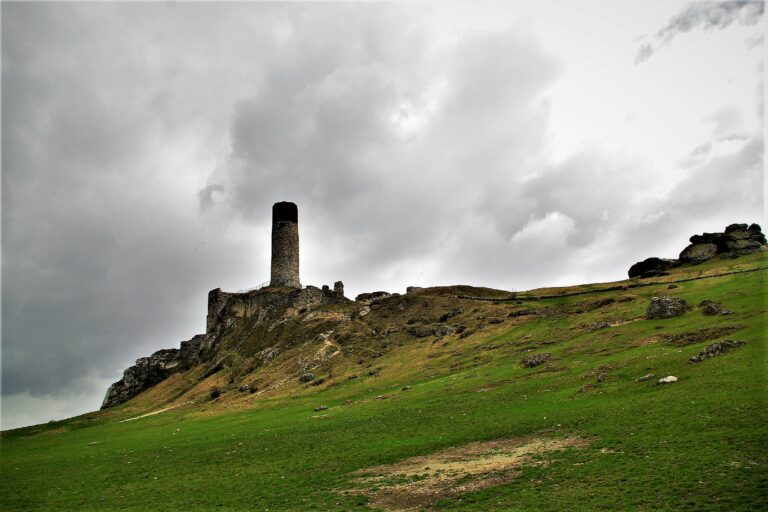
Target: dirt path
pixel 155 412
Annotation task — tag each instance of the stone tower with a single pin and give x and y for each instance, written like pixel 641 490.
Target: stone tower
pixel 285 245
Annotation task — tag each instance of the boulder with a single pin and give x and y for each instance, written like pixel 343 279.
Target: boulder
pixel 666 307
pixel 650 267
pixel 309 376
pixel 668 379
pixel 698 253
pixel 535 360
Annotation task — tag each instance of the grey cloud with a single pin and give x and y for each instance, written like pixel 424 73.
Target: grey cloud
pixel 706 16
pixel 142 155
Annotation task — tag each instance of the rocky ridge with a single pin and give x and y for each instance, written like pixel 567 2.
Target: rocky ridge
pixel 737 239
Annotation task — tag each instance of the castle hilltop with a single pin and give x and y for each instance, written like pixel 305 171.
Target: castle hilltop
pixel 283 295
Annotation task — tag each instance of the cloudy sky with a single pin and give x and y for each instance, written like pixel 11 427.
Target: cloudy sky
pixel 511 144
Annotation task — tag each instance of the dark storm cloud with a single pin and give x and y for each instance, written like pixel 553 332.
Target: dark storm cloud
pixel 706 16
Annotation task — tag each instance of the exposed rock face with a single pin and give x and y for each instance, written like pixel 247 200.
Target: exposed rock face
pixel 338 288
pixel 698 253
pixel 735 240
pixel 651 267
pixel 666 307
pixel 147 372
pixel 372 297
pixel 270 306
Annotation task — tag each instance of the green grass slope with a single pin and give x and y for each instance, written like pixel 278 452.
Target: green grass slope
pixel 696 444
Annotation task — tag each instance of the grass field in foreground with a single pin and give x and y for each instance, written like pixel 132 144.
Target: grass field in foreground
pixel 697 444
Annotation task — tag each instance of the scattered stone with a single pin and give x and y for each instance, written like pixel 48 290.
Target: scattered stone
pixel 726 312
pixel 430 330
pixel 716 349
pixel 317 382
pixel 309 376
pixel 691 337
pixel 381 397
pixel 599 325
pixel 710 310
pixel 667 380
pixel 645 377
pixel 535 360
pixel 521 312
pixel 321 408
pixel 450 314
pixel 666 307
pixel 244 388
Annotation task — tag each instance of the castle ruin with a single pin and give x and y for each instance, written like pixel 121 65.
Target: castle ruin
pixel 285 245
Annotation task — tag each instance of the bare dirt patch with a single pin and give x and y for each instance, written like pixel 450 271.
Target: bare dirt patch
pixel 419 482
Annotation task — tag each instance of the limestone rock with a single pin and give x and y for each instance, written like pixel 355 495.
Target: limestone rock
pixel 666 307
pixel 651 267
pixel 697 253
pixel 431 330
pixel 372 297
pixel 535 360
pixel 668 379
pixel 147 372
pixel 716 349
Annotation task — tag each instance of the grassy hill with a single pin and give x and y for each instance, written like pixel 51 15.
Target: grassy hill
pixel 393 421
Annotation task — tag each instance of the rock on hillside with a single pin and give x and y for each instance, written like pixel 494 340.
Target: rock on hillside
pixel 736 239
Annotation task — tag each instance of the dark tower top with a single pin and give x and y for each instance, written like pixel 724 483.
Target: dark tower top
pixel 285 211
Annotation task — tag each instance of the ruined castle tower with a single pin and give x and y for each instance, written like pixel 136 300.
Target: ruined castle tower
pixel 285 245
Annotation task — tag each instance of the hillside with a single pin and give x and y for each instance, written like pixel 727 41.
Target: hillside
pixel 453 398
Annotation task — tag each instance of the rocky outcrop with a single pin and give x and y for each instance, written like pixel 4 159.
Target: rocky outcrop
pixel 652 267
pixel 716 349
pixel 666 307
pixel 372 297
pixel 270 306
pixel 735 240
pixel 147 372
